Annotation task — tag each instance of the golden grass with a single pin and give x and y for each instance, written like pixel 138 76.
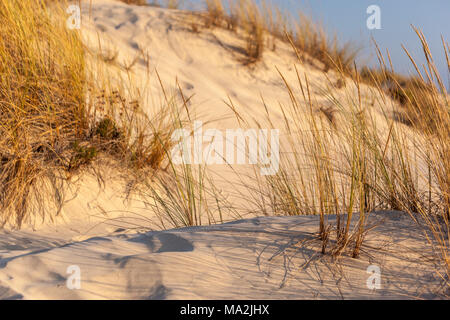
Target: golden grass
pixel 359 168
pixel 170 4
pixel 243 14
pixel 184 194
pixel 322 171
pixel 48 130
pixel 215 12
pixel 41 101
pixel 356 168
pixel 413 94
pixel 351 170
pixel 262 24
pixel 136 2
pixel 55 118
pixel 310 38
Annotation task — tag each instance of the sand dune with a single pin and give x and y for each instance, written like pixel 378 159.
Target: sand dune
pixel 116 243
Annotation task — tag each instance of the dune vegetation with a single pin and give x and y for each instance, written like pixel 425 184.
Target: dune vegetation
pixel 374 170
pixel 58 119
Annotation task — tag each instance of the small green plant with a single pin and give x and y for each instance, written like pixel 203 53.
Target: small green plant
pixel 82 155
pixel 107 129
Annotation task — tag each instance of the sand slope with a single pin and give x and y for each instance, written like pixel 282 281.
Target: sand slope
pixel 108 237
pixel 208 66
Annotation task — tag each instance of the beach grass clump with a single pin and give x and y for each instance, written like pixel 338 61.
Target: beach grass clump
pixel 215 13
pixel 414 95
pixel 56 117
pixel 42 94
pixel 354 169
pixel 430 116
pixel 183 194
pixel 325 172
pixel 253 24
pixel 262 24
pixel 310 38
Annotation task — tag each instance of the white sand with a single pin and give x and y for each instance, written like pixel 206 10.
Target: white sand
pixel 107 237
pixel 259 258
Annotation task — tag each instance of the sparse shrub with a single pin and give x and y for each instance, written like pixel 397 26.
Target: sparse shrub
pixel 107 129
pixel 413 94
pixel 254 27
pixel 81 155
pixel 215 13
pixel 311 38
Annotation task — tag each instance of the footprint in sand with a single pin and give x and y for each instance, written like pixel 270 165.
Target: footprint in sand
pixel 101 27
pixel 132 17
pixel 187 86
pixel 142 276
pixel 134 45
